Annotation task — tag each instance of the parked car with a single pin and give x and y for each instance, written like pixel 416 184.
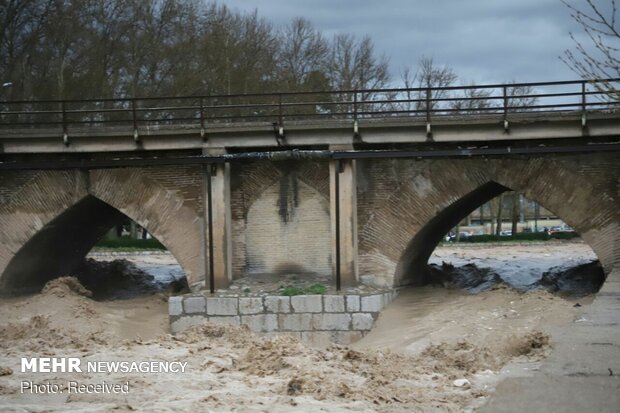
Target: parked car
pixel 561 228
pixel 462 234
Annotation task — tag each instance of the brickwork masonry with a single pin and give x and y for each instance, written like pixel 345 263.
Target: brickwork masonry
pixel 316 319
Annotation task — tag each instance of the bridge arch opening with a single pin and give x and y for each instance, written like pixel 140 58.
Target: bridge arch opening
pixel 414 266
pixel 60 248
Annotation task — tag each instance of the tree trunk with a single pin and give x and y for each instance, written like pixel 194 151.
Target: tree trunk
pixel 492 216
pixel 498 226
pixel 515 213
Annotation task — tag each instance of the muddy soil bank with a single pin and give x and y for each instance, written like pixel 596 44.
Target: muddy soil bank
pixel 123 279
pixel 577 281
pixel 568 268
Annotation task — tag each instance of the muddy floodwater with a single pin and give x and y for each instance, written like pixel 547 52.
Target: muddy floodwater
pixel 491 312
pixel 432 349
pixel 471 267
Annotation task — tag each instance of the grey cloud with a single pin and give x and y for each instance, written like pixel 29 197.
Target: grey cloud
pixel 483 40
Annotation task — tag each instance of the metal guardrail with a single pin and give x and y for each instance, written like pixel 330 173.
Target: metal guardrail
pixel 275 109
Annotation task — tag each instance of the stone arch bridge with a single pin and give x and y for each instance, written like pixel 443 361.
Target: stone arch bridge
pixel 359 198
pixel 275 216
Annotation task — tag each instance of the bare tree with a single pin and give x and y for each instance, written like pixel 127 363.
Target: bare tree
pixel 353 65
pixel 303 57
pixel 472 100
pixel 428 75
pixel 600 26
pixel 520 98
pixel 133 48
pixel 21 27
pixel 238 52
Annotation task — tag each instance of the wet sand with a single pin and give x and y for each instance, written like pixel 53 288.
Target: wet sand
pixel 424 341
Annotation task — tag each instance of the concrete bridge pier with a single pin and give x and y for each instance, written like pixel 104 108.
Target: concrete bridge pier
pixel 216 180
pixel 343 186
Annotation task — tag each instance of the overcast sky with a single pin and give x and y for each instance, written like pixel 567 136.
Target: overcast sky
pixel 484 41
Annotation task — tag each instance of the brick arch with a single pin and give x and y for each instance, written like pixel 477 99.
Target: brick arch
pixel 578 199
pixel 251 182
pixel 251 179
pixel 55 218
pixel 412 266
pixel 396 198
pixel 423 193
pixel 288 238
pixel 161 211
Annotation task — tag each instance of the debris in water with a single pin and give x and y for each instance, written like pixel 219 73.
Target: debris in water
pixel 64 286
pixel 534 345
pixel 461 383
pixel 294 386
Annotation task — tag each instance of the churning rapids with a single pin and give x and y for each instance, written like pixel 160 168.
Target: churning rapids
pixel 565 268
pixel 432 348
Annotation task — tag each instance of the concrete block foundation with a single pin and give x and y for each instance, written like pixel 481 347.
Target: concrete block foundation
pixel 315 319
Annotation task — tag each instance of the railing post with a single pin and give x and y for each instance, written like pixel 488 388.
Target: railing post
pixel 356 132
pixel 136 137
pixel 505 100
pixel 280 131
pixel 202 118
pixel 65 134
pixel 429 132
pixel 584 104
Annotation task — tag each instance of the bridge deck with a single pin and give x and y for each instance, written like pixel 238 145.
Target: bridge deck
pixel 500 112
pixel 300 134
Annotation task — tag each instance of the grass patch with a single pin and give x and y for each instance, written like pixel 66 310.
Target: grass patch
pixel 317 288
pixel 290 291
